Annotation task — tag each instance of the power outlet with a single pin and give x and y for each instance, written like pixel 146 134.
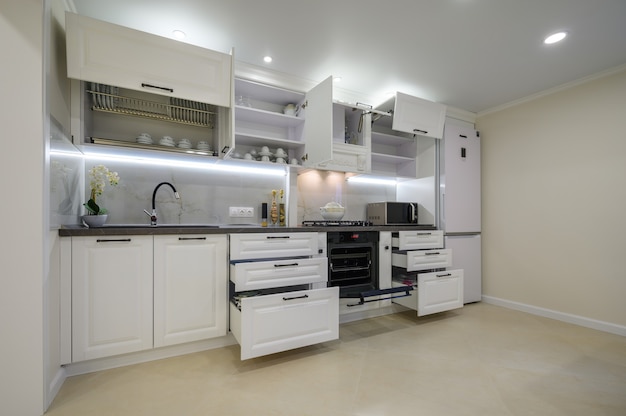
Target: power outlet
pixel 241 212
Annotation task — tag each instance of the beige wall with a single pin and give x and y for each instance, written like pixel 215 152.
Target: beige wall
pixel 554 201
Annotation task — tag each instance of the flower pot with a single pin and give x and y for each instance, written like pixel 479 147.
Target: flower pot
pixel 94 220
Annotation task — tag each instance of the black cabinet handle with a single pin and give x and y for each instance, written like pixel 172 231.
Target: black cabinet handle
pixel 420 131
pixel 191 238
pixel 144 85
pixel 424 233
pixel 432 254
pixel 296 297
pixel 444 275
pixel 286 265
pixel 272 237
pixel 120 240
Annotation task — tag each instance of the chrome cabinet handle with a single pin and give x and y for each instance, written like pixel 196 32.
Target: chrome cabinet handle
pixel 296 297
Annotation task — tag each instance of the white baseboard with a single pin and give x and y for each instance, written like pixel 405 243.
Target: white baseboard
pixel 559 316
pixel 55 386
pixel 84 367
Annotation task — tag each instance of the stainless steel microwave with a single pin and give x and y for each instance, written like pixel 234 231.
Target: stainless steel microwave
pixel 392 213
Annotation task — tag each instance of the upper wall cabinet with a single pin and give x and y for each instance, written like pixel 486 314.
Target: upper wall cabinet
pixel 415 115
pixel 115 55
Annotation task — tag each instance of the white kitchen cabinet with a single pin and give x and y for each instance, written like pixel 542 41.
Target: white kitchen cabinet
pixel 254 275
pixel 102 52
pixel 422 259
pixel 273 323
pixel 418 240
pixel 190 288
pixel 414 115
pixel 260 121
pixel 126 82
pixel 111 295
pixel 435 292
pixel 338 134
pixel 274 306
pixel 251 246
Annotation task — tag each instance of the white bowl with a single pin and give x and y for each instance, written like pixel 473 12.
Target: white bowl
pixel 94 220
pixel 333 214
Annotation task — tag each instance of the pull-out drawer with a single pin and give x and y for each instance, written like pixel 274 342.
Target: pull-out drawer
pixel 272 323
pixel 423 259
pixel 273 245
pixel 436 292
pixel 417 240
pixel 277 273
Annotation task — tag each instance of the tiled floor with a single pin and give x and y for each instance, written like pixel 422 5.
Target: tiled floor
pixel 479 360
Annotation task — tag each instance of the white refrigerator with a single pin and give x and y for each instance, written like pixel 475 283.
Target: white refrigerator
pixel 459 203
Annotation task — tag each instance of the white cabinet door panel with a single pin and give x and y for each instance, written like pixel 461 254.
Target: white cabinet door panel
pixel 190 292
pixel 418 116
pixel 439 291
pixel 418 240
pixel 111 296
pixel 102 52
pixel 273 245
pixel 423 259
pixel 274 323
pixel 289 272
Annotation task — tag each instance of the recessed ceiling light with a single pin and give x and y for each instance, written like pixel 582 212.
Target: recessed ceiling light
pixel 554 38
pixel 267 59
pixel 179 34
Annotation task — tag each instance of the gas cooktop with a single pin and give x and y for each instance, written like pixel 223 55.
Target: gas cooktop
pixel 322 223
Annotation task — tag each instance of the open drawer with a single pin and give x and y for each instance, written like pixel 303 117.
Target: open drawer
pixel 268 324
pixel 436 292
pixel 422 259
pixel 273 245
pixel 276 273
pixel 417 240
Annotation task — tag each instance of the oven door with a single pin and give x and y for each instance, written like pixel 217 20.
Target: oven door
pixel 352 268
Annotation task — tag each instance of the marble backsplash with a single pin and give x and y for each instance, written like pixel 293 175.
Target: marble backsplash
pixel 205 195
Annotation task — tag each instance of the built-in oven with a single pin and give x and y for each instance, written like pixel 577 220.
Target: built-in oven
pixel 353 262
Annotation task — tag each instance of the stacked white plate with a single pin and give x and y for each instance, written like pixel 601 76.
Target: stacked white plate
pixel 144 139
pixel 203 146
pixel 184 144
pixel 167 141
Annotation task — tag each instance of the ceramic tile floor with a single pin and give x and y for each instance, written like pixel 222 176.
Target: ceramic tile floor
pixel 479 360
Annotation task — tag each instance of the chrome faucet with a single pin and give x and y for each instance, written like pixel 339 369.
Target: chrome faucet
pixel 153 215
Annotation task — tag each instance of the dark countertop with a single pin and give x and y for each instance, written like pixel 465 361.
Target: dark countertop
pixel 79 230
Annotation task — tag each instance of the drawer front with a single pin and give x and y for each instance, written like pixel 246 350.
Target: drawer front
pixel 423 259
pixel 274 323
pixel 439 291
pixel 272 245
pixel 418 240
pixel 266 274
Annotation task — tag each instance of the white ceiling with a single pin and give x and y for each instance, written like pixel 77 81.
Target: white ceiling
pixel 470 54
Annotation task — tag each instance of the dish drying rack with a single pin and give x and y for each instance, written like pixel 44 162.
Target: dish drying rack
pixel 106 99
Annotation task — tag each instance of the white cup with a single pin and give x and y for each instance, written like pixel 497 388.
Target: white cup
pixel 280 160
pixel 265 158
pixel 294 161
pixel 247 156
pixel 290 110
pixel 265 149
pixel 167 139
pixel 144 136
pixel 280 152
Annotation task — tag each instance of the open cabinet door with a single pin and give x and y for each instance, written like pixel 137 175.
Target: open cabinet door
pixel 318 128
pixel 226 119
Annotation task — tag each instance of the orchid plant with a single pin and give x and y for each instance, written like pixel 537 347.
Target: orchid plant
pixel 99 175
